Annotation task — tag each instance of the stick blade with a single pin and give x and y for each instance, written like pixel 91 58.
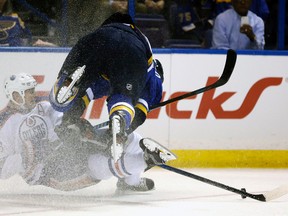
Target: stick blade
pixel 276 193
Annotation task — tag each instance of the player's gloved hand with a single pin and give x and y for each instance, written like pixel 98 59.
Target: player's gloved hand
pixel 86 129
pixel 68 133
pixel 117 128
pixel 159 69
pixel 138 120
pixel 74 132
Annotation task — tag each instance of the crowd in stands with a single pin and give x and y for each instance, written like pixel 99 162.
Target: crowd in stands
pixel 167 23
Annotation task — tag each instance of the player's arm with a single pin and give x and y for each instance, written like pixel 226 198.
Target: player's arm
pixel 220 38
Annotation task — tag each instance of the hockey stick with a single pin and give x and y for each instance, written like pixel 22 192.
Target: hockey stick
pixel 226 74
pixel 264 197
pixel 228 69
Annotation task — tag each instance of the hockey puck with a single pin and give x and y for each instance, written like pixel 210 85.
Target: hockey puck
pixel 244 190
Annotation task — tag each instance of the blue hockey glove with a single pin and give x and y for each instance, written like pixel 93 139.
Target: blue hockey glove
pixel 159 69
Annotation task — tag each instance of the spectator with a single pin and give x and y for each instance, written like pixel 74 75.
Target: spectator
pixel 238 28
pixel 39 15
pixel 12 29
pixel 258 7
pixel 216 7
pixel 192 20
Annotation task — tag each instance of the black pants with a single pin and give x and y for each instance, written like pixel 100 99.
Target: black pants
pixel 115 52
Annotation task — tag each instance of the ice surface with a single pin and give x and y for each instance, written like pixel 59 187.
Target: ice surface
pixel 174 195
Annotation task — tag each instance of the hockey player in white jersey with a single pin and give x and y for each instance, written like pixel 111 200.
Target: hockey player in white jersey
pixel 30 147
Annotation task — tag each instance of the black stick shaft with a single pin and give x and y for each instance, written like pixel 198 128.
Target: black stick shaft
pixel 226 74
pixel 259 197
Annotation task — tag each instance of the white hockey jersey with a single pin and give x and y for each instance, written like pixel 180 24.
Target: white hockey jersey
pixel 25 141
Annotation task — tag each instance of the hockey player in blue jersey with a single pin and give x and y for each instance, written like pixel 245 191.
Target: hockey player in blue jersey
pixel 115 61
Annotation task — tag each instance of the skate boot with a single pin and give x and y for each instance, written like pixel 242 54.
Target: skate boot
pixel 145 185
pixel 67 89
pixel 154 153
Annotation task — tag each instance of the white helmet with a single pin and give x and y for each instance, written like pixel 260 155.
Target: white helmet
pixel 19 83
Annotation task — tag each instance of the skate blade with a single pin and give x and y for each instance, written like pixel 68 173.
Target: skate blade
pixel 165 153
pixel 66 92
pixel 120 193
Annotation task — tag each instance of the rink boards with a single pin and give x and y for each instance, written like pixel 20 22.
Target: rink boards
pixel 241 124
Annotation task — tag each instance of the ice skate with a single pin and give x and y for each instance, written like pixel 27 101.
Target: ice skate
pixel 66 92
pixel 154 153
pixel 145 185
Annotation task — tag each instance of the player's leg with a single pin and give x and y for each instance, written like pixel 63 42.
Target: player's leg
pixel 132 163
pixel 129 168
pixel 149 151
pixel 133 160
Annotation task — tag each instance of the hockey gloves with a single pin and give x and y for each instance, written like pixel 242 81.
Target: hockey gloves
pixel 159 69
pixel 74 132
